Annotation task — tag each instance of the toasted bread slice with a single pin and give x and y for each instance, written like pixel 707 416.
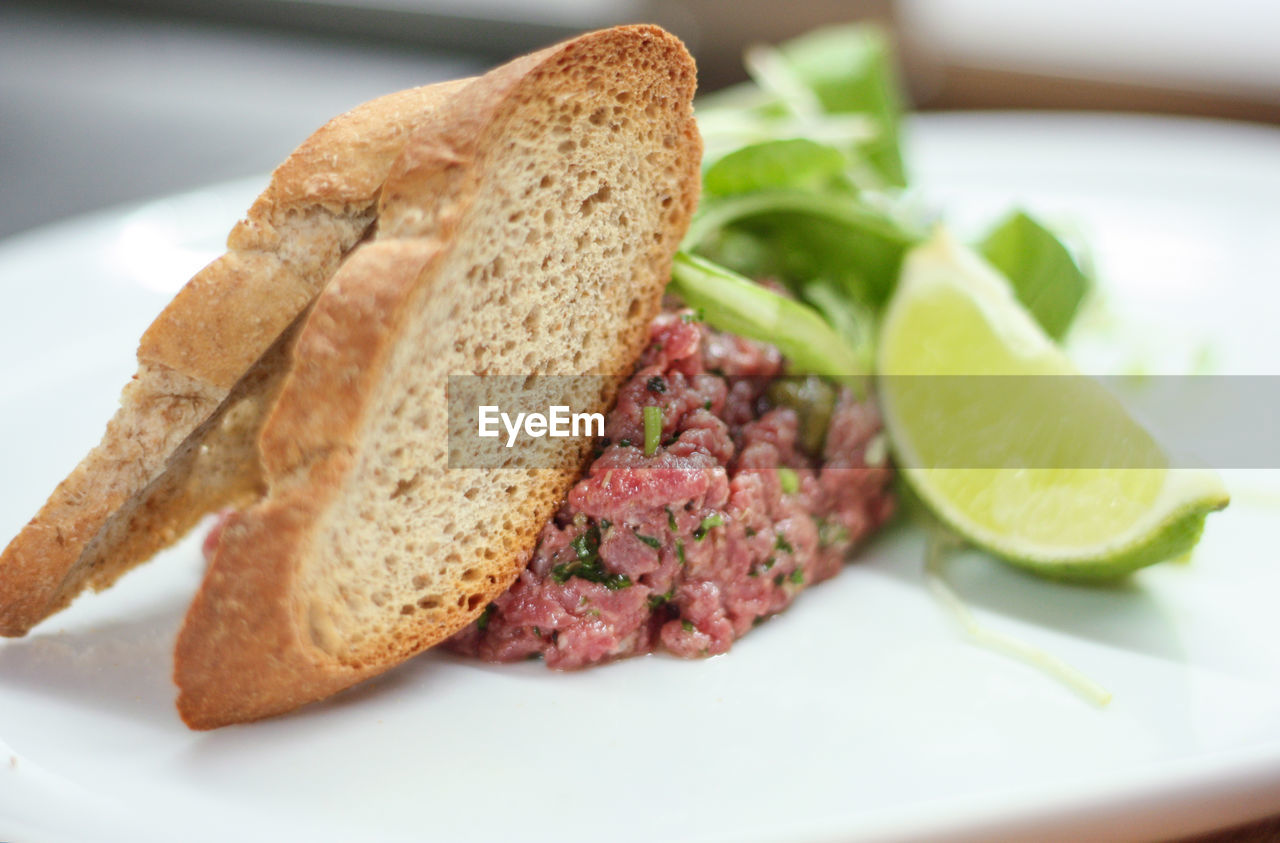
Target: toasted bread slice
pixel 564 182
pixel 183 441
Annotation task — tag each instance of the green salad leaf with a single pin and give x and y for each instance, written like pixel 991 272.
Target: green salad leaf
pixel 731 303
pixel 1044 275
pixel 851 70
pixel 798 235
pixel 794 162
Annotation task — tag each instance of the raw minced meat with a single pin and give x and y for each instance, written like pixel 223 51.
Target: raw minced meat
pixel 728 519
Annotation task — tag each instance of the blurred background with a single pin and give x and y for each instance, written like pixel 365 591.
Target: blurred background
pixel 116 100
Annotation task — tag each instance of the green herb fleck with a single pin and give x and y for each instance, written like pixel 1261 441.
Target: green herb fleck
pixel 708 523
pixel 789 480
pixel 797 576
pixel 613 582
pixel 671 520
pixel 687 625
pixel 587 566
pixel 680 552
pixel 656 600
pixel 751 532
pixel 770 562
pixel 656 384
pixel 652 429
pixel 482 623
pixel 586 545
pixel 830 533
pixel 591 573
pixel 624 443
pixel 650 540
pixel 781 543
pixel 706 405
pixel 778 580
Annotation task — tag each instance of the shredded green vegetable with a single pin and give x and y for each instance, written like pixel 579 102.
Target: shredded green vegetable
pixel 1048 664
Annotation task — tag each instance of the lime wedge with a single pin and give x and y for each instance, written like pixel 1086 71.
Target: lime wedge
pixel 1009 445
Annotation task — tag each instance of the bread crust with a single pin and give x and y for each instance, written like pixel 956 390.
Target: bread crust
pixel 245 630
pixel 221 321
pixel 249 647
pixel 318 205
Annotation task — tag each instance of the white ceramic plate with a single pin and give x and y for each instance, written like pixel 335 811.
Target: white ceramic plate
pixel 861 713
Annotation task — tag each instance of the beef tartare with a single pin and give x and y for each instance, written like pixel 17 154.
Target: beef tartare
pixel 722 490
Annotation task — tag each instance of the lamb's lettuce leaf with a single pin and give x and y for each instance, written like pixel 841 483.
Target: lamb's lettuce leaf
pixel 851 70
pixel 1044 275
pixel 776 164
pixel 801 235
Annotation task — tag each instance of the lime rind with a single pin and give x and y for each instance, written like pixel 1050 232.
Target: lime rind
pixel 1170 531
pixel 1176 538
